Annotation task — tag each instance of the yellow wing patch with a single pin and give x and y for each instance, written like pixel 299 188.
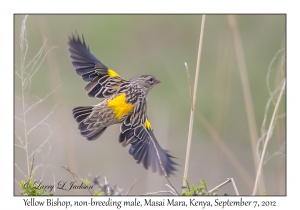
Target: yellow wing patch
pixel 112 73
pixel 147 124
pixel 119 105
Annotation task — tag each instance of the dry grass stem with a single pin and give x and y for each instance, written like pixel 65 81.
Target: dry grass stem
pixel 220 185
pixel 193 101
pixel 272 100
pixel 245 85
pixel 41 100
pixel 20 170
pixel 268 138
pixel 270 70
pixel 75 176
pixel 189 82
pixel 42 121
pixel 131 187
pixel 54 184
pixel 229 180
pixel 162 167
pixel 24 48
pixel 172 189
pixel 25 73
pixel 226 150
pixel 45 168
pixel 154 193
pixel 234 187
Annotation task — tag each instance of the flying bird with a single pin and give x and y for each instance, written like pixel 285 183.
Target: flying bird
pixel 122 102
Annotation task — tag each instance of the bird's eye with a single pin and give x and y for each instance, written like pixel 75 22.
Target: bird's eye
pixel 151 80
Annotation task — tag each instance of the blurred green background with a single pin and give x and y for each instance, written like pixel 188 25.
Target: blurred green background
pixel 157 45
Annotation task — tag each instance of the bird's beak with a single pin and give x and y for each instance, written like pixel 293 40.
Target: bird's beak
pixel 156 81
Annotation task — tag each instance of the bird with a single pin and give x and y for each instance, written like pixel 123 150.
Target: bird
pixel 121 102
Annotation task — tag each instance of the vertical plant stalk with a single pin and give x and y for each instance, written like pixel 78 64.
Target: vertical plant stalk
pixel 267 139
pixel 189 83
pixel 193 102
pixel 245 84
pixel 23 46
pixel 246 91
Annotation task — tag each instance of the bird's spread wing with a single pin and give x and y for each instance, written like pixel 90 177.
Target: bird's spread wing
pixel 144 146
pixel 103 81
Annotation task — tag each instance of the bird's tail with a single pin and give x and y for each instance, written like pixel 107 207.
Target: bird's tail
pixel 86 127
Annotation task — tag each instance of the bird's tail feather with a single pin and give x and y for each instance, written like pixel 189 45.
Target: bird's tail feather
pixel 80 113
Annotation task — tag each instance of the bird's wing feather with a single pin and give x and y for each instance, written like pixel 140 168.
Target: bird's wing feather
pixel 144 146
pixel 103 81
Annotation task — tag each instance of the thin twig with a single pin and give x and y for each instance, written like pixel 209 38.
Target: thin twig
pixel 187 184
pixel 171 185
pixel 234 187
pixel 130 187
pixel 20 139
pixel 37 150
pixel 120 190
pixel 54 183
pixel 42 121
pixel 18 75
pixel 18 119
pixel 281 152
pixel 270 71
pixel 267 139
pixel 37 166
pixel 172 189
pixel 45 170
pixel 74 175
pixel 189 82
pixel 161 165
pixel 194 101
pixel 263 126
pixel 41 100
pixel 24 47
pixel 153 193
pixel 32 164
pixel 22 147
pixel 220 185
pixel 36 58
pixel 31 76
pixel 20 171
pixel 272 99
pixel 225 183
pixel 206 188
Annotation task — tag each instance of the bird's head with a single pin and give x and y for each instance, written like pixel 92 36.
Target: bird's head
pixel 145 81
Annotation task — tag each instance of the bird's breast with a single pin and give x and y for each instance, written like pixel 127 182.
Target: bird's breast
pixel 120 107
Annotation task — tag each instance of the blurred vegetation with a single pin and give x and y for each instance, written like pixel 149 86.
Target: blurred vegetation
pixel 157 45
pixel 193 190
pixel 33 187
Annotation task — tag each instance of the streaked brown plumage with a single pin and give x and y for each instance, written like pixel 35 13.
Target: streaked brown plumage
pixel 122 101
